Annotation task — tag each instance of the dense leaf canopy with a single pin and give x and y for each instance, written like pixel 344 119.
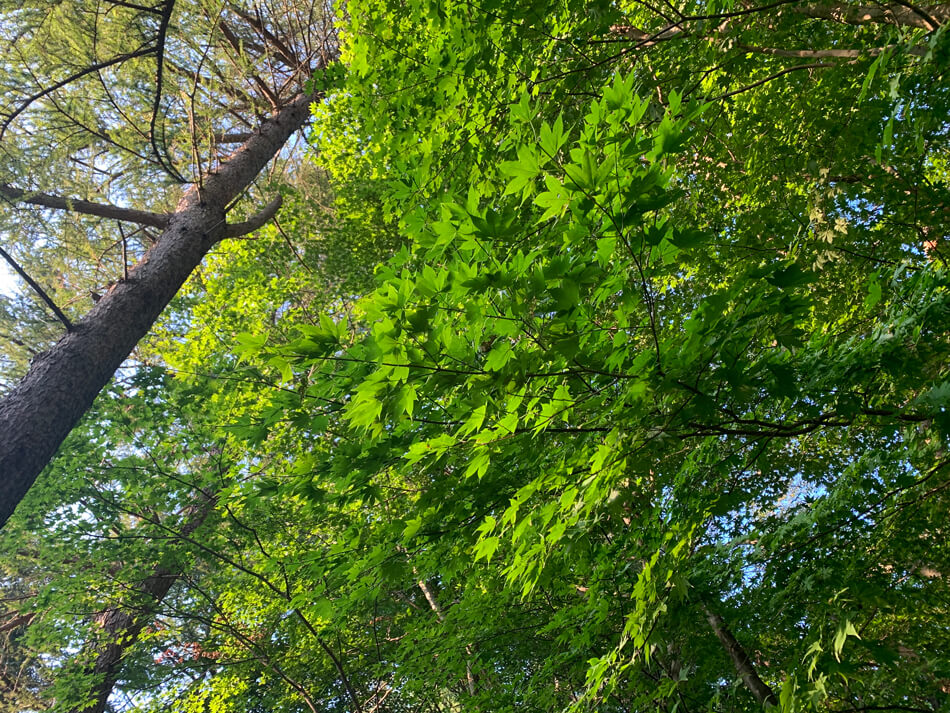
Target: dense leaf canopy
pixel 601 363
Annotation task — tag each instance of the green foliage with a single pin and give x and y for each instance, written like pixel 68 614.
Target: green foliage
pixel 656 331
pixel 660 369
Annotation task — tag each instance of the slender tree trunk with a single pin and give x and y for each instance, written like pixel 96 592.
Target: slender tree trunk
pixel 740 659
pixel 434 605
pixel 61 384
pixel 122 625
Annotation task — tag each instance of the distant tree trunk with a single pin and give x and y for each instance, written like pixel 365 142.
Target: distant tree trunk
pixel 122 625
pixel 434 605
pixel 61 383
pixel 740 659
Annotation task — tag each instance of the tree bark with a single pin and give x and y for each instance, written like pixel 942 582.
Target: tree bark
pixel 740 659
pixel 61 384
pixel 142 217
pixel 122 625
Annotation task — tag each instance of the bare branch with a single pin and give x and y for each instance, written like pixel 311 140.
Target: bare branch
pixel 740 659
pixel 235 44
pixel 434 605
pixel 934 24
pixel 284 53
pixel 17 621
pixel 236 230
pixel 896 14
pixel 232 137
pixel 36 288
pixel 164 161
pixel 101 210
pixel 134 6
pixel 815 65
pixel 832 53
pixel 648 39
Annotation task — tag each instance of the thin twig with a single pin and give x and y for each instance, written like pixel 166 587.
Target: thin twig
pixel 39 290
pixel 156 104
pixel 814 65
pixel 25 104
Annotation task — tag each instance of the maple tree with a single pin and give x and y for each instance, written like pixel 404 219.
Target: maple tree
pixel 608 373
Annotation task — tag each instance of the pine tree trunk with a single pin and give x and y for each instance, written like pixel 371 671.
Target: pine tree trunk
pixel 62 383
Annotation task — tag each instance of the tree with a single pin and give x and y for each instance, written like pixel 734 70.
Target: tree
pixel 38 413
pixel 128 562
pixel 156 458
pixel 683 356
pixel 648 412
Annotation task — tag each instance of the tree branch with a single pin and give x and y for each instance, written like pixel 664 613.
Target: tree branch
pixel 100 210
pixel 235 43
pixel 434 605
pixel 283 52
pixel 156 105
pixel 25 104
pixel 256 221
pixel 232 137
pixel 60 385
pixel 832 53
pixel 896 14
pixel 134 6
pixel 123 624
pixel 39 290
pixel 814 65
pixel 17 621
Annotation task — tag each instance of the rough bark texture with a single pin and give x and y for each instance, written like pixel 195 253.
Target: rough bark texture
pixel 121 626
pixel 61 384
pixel 740 659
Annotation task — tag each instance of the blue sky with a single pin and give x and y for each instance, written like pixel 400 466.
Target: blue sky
pixel 8 281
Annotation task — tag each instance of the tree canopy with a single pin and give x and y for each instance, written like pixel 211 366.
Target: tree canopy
pixel 597 359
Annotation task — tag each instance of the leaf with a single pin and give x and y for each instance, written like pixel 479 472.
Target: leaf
pixel 554 200
pixel 552 138
pixel 791 276
pixel 874 293
pixel 407 399
pixel 523 171
pixel 485 547
pixel 845 629
pixel 283 366
pixel 478 464
pixel 412 528
pixel 499 356
pixel 249 344
pixel 688 238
